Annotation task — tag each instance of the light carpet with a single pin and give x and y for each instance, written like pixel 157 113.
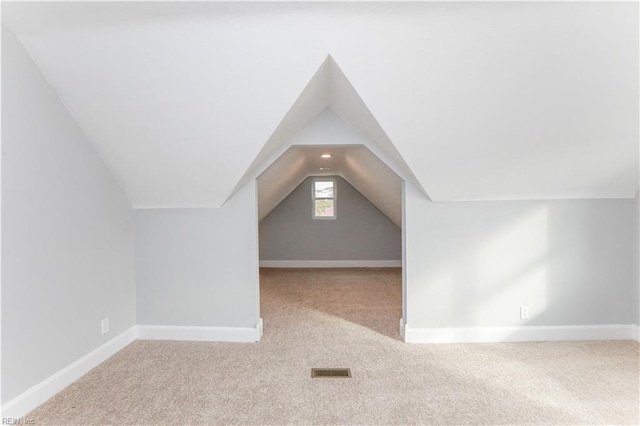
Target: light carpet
pixel 349 318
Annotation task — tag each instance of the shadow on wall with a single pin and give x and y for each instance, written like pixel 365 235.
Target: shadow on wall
pixel 567 261
pixel 514 265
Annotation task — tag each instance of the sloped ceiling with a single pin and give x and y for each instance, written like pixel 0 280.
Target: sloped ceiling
pixel 480 101
pixel 356 164
pixel 351 158
pixel 329 89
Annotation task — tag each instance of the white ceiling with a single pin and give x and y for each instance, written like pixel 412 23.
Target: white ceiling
pixel 475 101
pixel 356 164
pixel 351 158
pixel 310 128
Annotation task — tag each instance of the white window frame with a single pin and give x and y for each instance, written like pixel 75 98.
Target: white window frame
pixel 314 198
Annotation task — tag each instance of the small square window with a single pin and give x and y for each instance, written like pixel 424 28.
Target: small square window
pixel 324 202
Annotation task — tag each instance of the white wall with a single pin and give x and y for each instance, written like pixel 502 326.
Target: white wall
pixel 68 254
pixel 635 285
pixel 199 267
pixel 473 264
pixel 359 231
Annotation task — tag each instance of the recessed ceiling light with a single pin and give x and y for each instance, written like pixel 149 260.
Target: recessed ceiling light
pixel 324 169
pixel 325 156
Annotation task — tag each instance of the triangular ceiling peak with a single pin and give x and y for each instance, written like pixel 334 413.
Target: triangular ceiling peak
pixel 179 98
pixel 349 105
pixel 329 88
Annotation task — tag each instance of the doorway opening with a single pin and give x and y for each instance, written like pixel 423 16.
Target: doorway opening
pixel 331 241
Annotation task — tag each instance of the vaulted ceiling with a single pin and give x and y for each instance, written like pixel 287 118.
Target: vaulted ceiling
pixel 351 157
pixel 470 101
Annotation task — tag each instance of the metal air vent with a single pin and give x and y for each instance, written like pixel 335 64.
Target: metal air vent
pixel 330 372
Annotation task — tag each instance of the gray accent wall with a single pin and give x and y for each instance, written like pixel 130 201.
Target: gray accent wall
pixel 474 264
pixel 359 232
pixel 67 233
pixel 199 267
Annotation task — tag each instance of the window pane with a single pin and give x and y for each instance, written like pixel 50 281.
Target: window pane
pixel 323 189
pixel 324 208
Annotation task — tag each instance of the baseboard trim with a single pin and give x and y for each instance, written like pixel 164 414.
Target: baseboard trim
pixel 518 334
pixel 43 391
pixel 201 334
pixel 402 328
pixel 636 333
pixel 40 393
pixel 260 327
pixel 331 263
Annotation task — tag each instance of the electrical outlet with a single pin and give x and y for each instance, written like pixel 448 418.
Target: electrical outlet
pixel 105 325
pixel 524 312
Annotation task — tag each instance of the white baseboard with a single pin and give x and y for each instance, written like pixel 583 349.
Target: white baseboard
pixel 636 333
pixel 201 334
pixel 518 334
pixel 331 263
pixel 38 394
pixel 260 327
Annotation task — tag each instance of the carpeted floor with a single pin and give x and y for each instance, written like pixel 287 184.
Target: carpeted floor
pixel 349 318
